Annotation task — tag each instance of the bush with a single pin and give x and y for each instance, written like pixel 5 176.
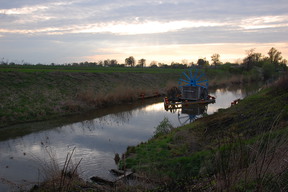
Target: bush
pixel 163 128
pixel 268 70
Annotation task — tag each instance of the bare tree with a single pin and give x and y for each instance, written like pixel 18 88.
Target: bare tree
pixel 252 59
pixel 215 59
pixel 274 56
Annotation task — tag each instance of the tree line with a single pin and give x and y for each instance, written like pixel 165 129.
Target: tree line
pixel 273 60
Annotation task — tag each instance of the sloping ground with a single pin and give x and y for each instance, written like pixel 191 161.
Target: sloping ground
pixel 37 95
pixel 243 148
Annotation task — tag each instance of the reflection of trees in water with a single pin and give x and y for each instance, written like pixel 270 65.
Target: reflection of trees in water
pixel 88 124
pixel 116 119
pixel 122 117
pixel 110 116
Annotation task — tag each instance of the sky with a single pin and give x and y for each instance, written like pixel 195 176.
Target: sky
pixel 66 31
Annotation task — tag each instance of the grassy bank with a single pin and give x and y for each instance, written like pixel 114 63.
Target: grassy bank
pixel 32 93
pixel 38 95
pixel 243 148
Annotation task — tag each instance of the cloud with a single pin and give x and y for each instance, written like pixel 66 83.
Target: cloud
pixel 147 27
pixel 84 28
pixel 265 22
pixel 23 10
pixel 114 15
pixel 122 28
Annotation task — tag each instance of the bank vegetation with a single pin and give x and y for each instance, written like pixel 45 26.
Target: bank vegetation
pixel 242 148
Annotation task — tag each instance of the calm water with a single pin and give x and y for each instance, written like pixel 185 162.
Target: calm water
pixel 96 137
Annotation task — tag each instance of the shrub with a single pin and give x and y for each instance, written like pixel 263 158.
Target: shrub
pixel 163 128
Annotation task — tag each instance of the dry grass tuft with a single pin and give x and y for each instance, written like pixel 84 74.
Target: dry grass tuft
pixel 57 179
pixel 98 99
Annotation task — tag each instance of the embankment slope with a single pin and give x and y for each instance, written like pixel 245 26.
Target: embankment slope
pixel 240 148
pixel 36 95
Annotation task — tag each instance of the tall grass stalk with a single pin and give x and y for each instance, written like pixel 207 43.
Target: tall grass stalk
pixel 68 171
pixel 57 179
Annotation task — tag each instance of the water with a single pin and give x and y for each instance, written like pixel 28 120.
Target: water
pixel 96 137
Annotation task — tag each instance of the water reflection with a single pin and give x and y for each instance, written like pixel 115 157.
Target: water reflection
pixel 191 112
pixel 187 112
pixel 97 136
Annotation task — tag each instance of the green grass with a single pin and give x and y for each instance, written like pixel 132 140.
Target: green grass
pixel 96 69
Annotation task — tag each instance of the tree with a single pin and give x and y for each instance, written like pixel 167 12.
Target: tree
pixel 142 62
pixel 252 59
pixel 100 63
pixel 185 62
pixel 113 62
pixel 153 64
pixel 284 62
pixel 130 61
pixel 202 62
pixel 107 62
pixel 275 56
pixel 257 57
pixel 283 65
pixel 215 59
pixel 177 65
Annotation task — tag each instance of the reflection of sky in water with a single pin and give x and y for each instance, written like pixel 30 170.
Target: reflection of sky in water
pixel 96 140
pixel 224 99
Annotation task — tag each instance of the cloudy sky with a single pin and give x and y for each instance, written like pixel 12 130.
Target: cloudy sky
pixel 64 31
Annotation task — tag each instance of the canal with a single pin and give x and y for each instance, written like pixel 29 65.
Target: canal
pixel 29 151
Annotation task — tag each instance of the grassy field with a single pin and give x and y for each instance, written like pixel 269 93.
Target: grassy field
pixel 84 69
pixel 243 148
